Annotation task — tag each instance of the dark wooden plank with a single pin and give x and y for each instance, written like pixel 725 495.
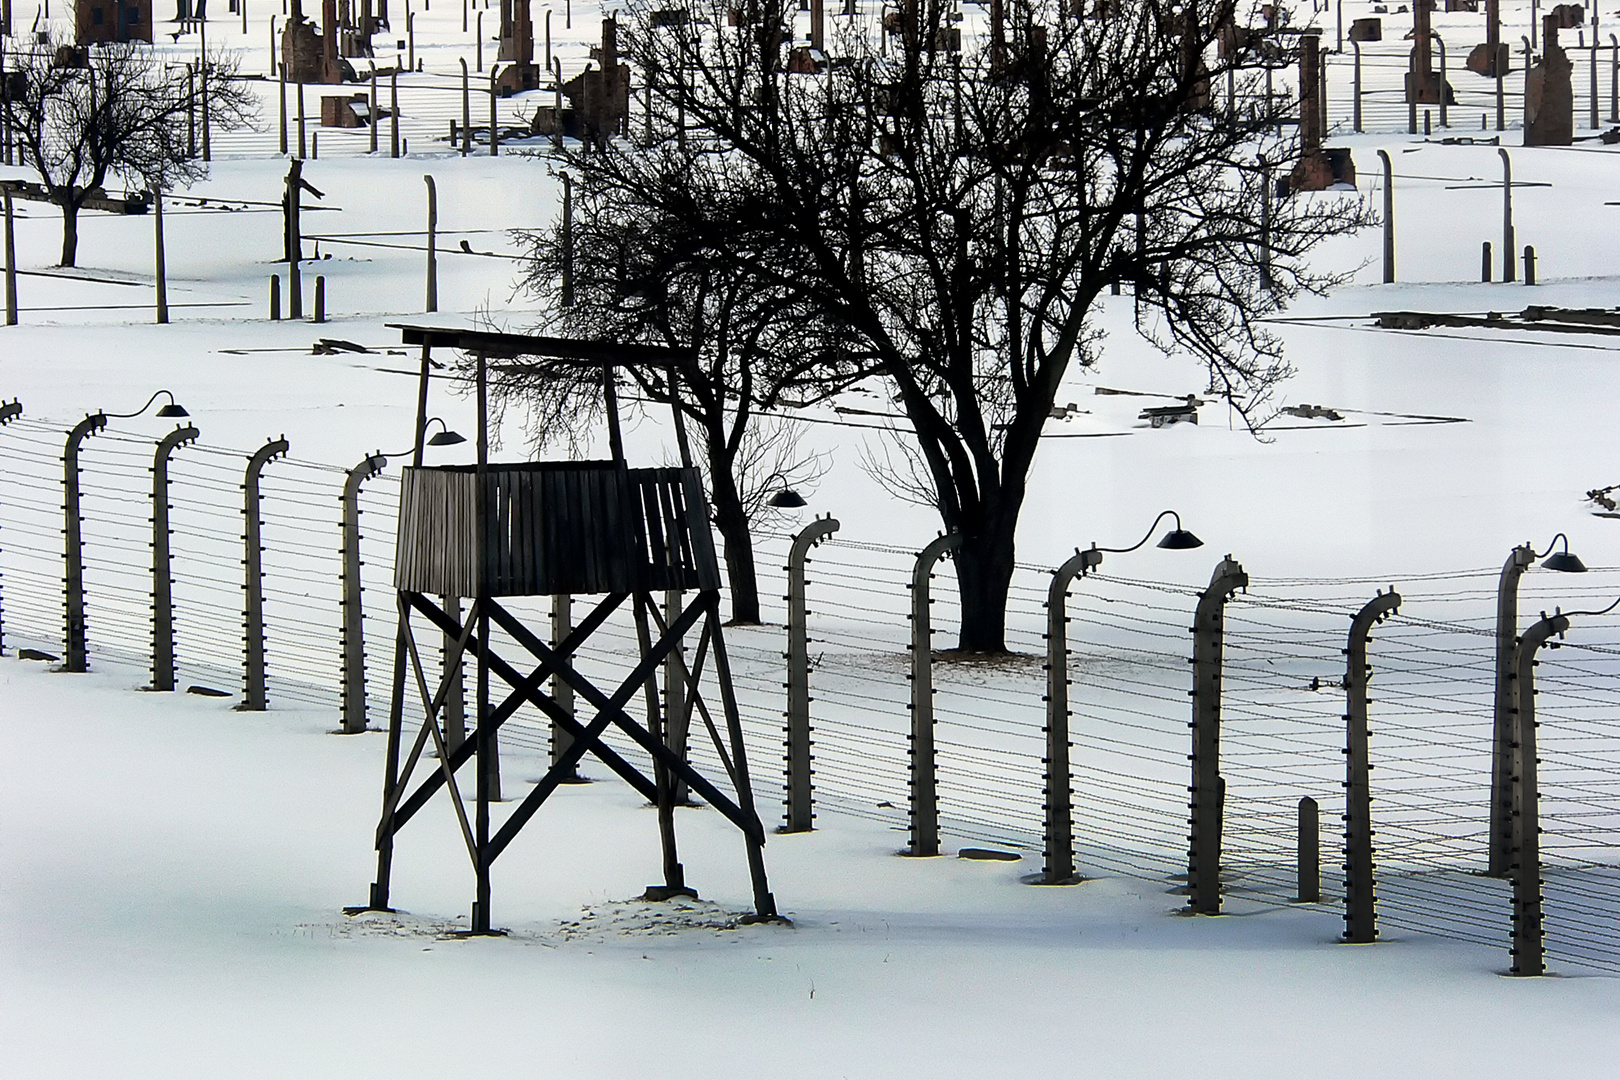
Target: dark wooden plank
pixel 511 346
pixel 588 509
pixel 703 557
pixel 674 532
pixel 526 552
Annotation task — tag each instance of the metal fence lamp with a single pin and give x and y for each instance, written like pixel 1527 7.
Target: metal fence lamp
pixel 1563 561
pixel 786 498
pixel 1505 706
pixel 1177 539
pixel 444 437
pixel 173 410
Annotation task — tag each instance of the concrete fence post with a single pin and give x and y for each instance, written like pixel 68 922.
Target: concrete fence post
pixel 924 786
pixel 1411 98
pixel 1360 913
pixel 1508 270
pixel 1355 107
pixel 11 263
pixel 1592 56
pixel 255 696
pixel 353 642
pixel 207 97
pixel 1614 79
pixel 1058 835
pixel 1207 790
pixel 1389 217
pixel 1519 560
pixel 567 298
pixel 1265 223
pixel 494 127
pixel 1322 96
pixel 1440 46
pixel 162 563
pixel 556 101
pixel 159 268
pixel 75 637
pixel 1309 877
pixel 9 411
pixel 466 110
pixel 432 245
pixel 281 81
pixel 1529 948
pixel 677 702
pixel 562 692
pixel 800 784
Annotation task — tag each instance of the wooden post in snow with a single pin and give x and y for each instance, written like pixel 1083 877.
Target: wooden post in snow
pixel 432 243
pixel 11 265
pixel 157 243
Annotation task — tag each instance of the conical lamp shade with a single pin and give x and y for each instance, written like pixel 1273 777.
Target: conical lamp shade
pixel 1565 563
pixel 1180 539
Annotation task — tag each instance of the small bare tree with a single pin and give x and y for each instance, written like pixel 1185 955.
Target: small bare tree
pixel 638 271
pixel 114 109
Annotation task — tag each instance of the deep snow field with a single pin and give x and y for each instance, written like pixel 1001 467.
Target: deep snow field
pixel 172 874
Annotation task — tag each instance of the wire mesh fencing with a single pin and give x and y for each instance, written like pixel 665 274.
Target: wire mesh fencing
pixel 1283 734
pixel 1282 728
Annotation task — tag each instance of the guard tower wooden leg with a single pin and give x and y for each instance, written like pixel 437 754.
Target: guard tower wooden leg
pixel 480 911
pixel 764 902
pixel 378 900
pixel 674 873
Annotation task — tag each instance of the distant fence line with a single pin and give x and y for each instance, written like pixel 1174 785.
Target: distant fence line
pixel 1082 745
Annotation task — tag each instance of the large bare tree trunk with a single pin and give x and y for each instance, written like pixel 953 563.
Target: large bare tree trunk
pixel 985 561
pixel 70 234
pixel 984 567
pixel 738 541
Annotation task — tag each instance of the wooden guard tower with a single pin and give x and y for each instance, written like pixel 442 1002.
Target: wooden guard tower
pixel 582 528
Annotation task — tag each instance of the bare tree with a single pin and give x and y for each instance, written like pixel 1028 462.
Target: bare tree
pixel 954 216
pixel 121 113
pixel 638 270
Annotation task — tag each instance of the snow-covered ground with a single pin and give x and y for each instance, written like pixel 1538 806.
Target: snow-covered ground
pixel 172 873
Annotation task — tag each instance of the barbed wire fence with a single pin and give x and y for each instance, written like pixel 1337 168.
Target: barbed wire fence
pixel 1283 703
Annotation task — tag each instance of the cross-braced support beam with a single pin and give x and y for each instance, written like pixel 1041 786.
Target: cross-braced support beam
pixel 469 636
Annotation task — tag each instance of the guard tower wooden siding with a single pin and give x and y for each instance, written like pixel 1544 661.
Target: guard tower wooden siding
pixel 552 528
